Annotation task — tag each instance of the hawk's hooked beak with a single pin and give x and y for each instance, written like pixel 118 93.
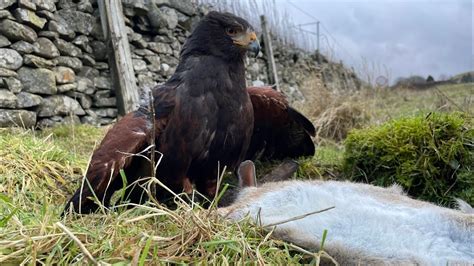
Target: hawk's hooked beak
pixel 249 41
pixel 254 47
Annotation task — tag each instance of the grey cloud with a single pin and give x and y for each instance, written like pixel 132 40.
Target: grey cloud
pixel 409 37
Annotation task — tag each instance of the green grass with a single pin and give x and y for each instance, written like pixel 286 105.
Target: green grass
pixel 384 105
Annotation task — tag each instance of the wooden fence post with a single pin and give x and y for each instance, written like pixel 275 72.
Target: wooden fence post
pixel 267 42
pixel 120 60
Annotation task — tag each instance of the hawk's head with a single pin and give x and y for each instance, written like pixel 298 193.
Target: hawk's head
pixel 224 35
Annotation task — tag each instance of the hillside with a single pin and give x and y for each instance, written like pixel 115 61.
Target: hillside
pixel 467 77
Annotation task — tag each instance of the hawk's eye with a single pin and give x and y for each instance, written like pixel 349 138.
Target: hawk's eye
pixel 231 31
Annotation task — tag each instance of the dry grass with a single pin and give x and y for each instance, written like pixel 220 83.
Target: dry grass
pixel 39 170
pixel 336 122
pixel 333 113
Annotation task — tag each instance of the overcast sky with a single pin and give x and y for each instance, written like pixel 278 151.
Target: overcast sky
pixel 409 37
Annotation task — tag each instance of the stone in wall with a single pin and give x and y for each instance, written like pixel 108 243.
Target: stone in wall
pixel 13 84
pixel 85 6
pixel 10 59
pixel 139 65
pixel 103 83
pixel 153 63
pixel 69 61
pixel 102 94
pixel 45 14
pixel 59 105
pixel 46 48
pixel 7 73
pixel 29 17
pixel 5 14
pixel 105 112
pixel 67 48
pixel 88 60
pixel 21 118
pixel 137 40
pixel 138 53
pixel 64 75
pixel 24 47
pixel 37 62
pixel 48 5
pixel 105 102
pixel 4 41
pixel 15 31
pixel 185 7
pixel 48 34
pixel 85 85
pixel 99 50
pixel 89 72
pixel 7 99
pixel 160 48
pixel 91 120
pixel 83 99
pixel 75 20
pixel 27 4
pixel 146 81
pixel 67 87
pixel 101 66
pixel 62 29
pixel 169 17
pixel 6 3
pixel 171 60
pixel 82 42
pixel 58 120
pixel 26 100
pixel 38 80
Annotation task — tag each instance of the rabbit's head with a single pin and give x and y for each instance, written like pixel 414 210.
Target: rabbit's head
pixel 247 178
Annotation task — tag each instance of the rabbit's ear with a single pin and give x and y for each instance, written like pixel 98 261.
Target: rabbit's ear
pixel 246 173
pixel 282 172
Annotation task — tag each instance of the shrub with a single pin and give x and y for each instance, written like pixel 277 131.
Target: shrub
pixel 335 122
pixel 432 157
pixel 333 112
pixel 410 81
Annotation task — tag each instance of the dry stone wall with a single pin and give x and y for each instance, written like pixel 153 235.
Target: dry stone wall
pixel 54 67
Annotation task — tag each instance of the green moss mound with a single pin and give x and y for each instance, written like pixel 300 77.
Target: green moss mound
pixel 431 156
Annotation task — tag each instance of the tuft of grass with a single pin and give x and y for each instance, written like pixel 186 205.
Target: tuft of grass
pixel 432 156
pixel 336 122
pixel 334 113
pixel 325 164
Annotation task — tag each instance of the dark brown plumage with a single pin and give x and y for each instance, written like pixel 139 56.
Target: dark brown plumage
pixel 279 130
pixel 204 117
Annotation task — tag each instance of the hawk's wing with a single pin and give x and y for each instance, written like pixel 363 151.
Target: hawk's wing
pixel 131 135
pixel 279 130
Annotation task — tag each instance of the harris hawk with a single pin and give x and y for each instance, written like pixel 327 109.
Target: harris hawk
pixel 204 118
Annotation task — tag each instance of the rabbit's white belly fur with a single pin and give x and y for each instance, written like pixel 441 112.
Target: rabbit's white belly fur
pixel 384 225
